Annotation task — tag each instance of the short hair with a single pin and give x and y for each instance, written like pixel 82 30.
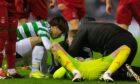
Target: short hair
pixel 61 23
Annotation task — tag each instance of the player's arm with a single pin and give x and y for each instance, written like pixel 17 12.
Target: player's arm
pixel 44 34
pixel 78 42
pixel 51 3
pixel 108 7
pixel 46 42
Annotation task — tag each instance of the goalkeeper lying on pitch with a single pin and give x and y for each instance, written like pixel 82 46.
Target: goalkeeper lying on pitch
pixel 117 45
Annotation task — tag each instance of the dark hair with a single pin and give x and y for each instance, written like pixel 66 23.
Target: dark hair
pixel 61 23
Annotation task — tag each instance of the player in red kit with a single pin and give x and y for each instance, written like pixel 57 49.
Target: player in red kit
pixel 8 35
pixel 72 11
pixel 126 10
pixel 37 8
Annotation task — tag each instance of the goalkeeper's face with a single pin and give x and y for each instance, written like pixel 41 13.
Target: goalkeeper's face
pixel 55 32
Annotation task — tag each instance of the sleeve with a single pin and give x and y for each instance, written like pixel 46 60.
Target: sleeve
pixel 45 36
pixel 43 32
pixel 78 42
pixel 46 42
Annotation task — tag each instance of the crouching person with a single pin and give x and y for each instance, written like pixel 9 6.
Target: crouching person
pixel 34 37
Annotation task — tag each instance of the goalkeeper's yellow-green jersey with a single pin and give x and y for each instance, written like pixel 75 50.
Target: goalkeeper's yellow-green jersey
pixel 92 69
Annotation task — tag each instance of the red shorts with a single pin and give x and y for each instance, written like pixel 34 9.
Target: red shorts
pixel 127 9
pixel 8 17
pixel 74 10
pixel 39 8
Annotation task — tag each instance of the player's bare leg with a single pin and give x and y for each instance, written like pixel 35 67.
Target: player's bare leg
pixel 23 21
pixel 33 40
pixel 124 26
pixel 62 57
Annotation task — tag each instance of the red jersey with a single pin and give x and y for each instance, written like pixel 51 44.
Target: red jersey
pixel 77 3
pixel 38 8
pixel 126 10
pixel 3 3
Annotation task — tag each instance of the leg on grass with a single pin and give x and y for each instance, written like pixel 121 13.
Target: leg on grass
pixel 62 56
pixel 119 56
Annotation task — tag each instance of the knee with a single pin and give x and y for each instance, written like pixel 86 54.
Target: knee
pixel 125 47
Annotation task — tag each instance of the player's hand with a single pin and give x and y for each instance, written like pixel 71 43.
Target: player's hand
pixel 108 9
pixel 61 7
pixel 52 4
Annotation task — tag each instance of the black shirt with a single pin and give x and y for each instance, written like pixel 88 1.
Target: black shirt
pixel 101 37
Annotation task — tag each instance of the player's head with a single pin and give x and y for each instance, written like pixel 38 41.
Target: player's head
pixel 59 26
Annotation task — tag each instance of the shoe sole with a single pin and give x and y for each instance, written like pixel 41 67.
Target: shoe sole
pixel 136 76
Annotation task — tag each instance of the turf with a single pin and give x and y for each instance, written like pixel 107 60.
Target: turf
pixel 136 61
pixel 28 80
pixel 56 81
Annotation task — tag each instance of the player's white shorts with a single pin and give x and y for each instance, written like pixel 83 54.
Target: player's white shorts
pixel 23 47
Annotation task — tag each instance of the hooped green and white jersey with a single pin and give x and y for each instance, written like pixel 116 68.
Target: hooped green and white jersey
pixel 37 28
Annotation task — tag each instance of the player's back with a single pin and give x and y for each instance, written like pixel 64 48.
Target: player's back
pixel 30 29
pixel 98 34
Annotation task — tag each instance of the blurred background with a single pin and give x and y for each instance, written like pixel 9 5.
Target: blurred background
pixel 96 9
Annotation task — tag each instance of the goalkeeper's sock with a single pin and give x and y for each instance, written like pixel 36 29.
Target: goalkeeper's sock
pixel 64 60
pixel 119 60
pixel 77 76
pixel 37 57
